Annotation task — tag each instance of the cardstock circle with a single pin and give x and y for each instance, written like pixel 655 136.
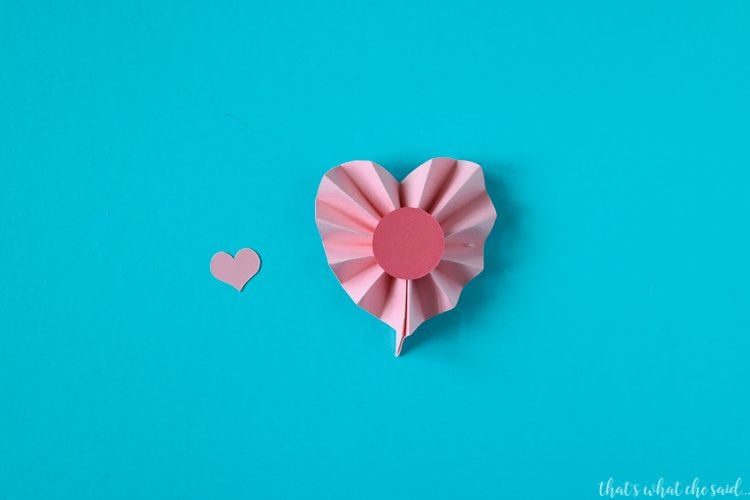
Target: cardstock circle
pixel 408 243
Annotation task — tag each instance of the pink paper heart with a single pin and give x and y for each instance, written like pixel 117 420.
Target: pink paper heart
pixel 403 251
pixel 237 270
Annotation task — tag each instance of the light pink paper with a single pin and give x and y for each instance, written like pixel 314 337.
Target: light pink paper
pixel 237 270
pixel 356 196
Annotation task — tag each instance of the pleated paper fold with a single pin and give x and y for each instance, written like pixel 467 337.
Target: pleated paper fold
pixel 355 196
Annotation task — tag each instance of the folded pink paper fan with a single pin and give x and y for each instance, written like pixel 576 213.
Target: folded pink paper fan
pixel 404 252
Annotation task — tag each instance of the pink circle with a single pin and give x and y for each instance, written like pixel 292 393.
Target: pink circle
pixel 408 243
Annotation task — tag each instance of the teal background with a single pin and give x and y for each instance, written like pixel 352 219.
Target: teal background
pixel 608 336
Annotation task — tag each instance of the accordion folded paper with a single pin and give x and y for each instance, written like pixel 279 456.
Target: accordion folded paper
pixel 404 251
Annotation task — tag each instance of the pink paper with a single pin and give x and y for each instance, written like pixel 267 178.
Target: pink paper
pixel 237 270
pixel 404 252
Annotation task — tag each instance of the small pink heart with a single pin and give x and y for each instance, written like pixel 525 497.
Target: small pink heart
pixel 237 270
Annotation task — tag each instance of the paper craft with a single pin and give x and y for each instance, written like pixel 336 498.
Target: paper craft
pixel 237 270
pixel 404 252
